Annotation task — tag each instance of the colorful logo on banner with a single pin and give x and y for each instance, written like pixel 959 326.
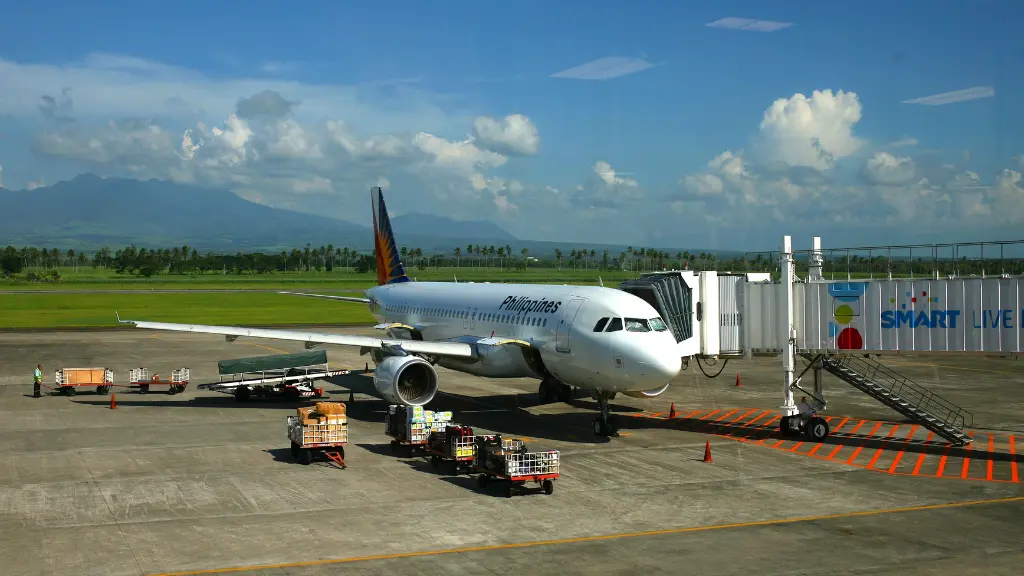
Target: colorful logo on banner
pixel 847 309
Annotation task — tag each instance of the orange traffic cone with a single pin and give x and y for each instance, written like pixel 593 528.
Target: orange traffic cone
pixel 672 411
pixel 707 452
pixel 737 379
pixel 113 403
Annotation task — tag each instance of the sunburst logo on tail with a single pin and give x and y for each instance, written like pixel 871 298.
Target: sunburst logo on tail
pixel 389 267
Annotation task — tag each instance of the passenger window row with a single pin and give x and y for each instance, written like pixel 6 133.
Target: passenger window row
pixel 483 316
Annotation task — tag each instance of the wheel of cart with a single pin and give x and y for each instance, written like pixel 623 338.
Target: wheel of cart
pixel 407 449
pixel 306 455
pixel 515 484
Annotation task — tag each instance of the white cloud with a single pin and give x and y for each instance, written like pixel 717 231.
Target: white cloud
pixel 273 141
pixel 799 167
pixel 813 131
pixel 749 24
pixel 514 135
pixel 104 86
pixel 605 68
pixel 955 96
pixel 884 168
pixel 903 142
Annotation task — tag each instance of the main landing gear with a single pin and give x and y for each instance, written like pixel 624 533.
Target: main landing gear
pixel 605 424
pixel 552 390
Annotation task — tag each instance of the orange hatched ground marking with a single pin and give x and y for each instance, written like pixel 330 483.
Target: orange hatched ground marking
pixel 885 447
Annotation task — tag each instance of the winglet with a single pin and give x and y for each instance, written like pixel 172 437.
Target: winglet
pixel 389 267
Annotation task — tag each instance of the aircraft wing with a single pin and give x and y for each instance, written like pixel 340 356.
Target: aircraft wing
pixel 450 349
pixel 329 297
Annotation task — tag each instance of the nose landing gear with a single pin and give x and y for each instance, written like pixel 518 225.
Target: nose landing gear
pixel 605 425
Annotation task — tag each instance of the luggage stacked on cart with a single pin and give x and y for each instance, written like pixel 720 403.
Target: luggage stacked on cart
pixel 455 441
pixel 509 461
pixel 320 430
pixel 413 424
pixel 493 453
pixel 324 423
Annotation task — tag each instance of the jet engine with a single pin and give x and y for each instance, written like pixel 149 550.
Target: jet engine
pixel 646 393
pixel 406 380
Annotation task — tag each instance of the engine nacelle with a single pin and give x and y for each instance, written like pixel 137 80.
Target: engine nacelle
pixel 406 380
pixel 646 393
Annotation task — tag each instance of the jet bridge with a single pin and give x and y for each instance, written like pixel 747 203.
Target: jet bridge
pixel 836 326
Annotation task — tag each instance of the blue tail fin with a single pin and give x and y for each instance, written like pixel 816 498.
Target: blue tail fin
pixel 389 266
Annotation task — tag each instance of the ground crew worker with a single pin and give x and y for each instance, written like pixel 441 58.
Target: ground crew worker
pixel 37 381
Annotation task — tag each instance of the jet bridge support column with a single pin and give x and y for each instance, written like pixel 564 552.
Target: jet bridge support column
pixel 788 334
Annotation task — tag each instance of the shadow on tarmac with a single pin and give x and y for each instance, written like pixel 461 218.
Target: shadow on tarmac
pixel 507 414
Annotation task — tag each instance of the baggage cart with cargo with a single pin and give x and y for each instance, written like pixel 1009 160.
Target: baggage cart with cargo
pixel 410 426
pixel 68 380
pixel 508 462
pixel 454 445
pixel 140 379
pixel 320 430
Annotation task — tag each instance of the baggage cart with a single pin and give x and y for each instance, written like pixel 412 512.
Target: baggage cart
pixel 454 445
pixel 140 379
pixel 68 380
pixel 410 426
pixel 316 431
pixel 513 466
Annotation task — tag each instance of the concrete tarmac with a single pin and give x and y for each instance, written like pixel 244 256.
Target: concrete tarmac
pixel 198 483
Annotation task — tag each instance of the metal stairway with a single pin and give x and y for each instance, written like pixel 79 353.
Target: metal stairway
pixel 901 394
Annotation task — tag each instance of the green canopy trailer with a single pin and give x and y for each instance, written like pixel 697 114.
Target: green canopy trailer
pixel 290 376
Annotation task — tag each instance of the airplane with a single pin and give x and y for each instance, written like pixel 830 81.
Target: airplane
pixel 570 338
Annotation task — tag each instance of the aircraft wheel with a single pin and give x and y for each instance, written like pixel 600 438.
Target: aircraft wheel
pixel 563 392
pixel 817 429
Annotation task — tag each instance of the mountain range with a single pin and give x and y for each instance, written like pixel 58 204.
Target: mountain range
pixel 89 212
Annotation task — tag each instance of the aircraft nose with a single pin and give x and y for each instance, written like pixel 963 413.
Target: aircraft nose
pixel 660 365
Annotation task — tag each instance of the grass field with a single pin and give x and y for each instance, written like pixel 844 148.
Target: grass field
pixel 70 310
pixel 99 279
pixel 69 304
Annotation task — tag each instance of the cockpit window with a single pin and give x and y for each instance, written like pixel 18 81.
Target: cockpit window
pixel 637 325
pixel 658 324
pixel 615 325
pixel 600 325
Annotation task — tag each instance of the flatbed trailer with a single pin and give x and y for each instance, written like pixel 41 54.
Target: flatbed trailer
pixel 69 380
pixel 520 467
pixel 140 379
pixel 312 438
pixel 288 376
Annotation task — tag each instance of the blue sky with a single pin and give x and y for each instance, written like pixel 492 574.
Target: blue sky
pixel 624 159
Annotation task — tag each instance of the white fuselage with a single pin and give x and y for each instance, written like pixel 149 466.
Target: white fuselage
pixel 556 324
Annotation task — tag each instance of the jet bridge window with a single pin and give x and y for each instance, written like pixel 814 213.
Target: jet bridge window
pixel 615 325
pixel 637 325
pixel 599 327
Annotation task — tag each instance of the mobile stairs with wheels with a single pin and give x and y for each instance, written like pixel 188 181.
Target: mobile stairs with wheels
pixel 899 393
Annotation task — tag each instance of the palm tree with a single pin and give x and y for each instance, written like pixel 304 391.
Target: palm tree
pixel 558 257
pixel 526 260
pixel 458 257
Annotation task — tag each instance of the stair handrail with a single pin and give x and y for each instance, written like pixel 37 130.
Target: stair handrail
pixel 953 415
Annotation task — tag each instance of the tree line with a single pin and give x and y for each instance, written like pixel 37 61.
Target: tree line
pixel 44 263
pixel 135 261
